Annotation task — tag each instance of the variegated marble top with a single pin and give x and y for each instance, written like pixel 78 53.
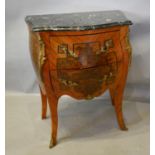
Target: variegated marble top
pixel 77 21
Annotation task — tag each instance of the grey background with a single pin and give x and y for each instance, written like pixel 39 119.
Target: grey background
pixel 20 76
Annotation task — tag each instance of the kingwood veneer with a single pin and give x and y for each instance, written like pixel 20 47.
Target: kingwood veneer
pixel 80 55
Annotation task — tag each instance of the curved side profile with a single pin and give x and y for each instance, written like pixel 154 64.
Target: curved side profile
pixel 81 64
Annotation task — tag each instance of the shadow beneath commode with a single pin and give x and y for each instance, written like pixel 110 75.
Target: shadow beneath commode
pixel 94 119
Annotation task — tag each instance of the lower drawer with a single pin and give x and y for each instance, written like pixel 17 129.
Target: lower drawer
pixel 85 83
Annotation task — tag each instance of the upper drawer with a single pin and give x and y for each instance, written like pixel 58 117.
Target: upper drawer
pixel 84 51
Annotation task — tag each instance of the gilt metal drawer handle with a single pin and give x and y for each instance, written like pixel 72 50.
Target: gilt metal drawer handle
pixel 107 78
pixel 63 49
pixel 107 44
pixel 68 83
pixel 72 54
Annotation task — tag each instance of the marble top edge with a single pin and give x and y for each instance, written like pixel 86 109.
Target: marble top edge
pixel 77 21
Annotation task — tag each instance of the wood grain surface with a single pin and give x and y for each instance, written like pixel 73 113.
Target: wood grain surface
pixel 81 64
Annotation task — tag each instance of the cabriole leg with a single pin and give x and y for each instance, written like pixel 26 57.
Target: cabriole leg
pixel 117 94
pixel 111 92
pixel 44 104
pixel 117 99
pixel 53 103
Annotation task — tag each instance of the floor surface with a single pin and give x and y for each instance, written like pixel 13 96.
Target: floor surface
pixel 85 127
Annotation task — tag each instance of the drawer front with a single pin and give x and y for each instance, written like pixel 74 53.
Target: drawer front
pixel 85 82
pixel 85 51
